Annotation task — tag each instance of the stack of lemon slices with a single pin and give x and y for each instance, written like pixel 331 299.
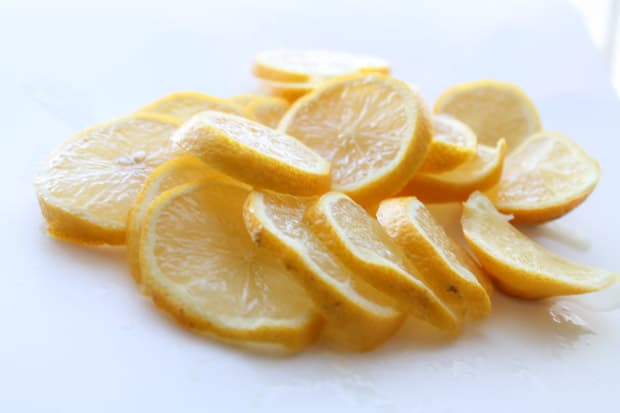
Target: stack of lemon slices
pixel 269 221
pixel 292 73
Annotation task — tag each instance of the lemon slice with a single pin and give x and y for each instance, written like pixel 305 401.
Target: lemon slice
pixel 201 267
pixel 519 266
pixel 244 99
pixel 312 65
pixel 268 110
pixel 455 278
pixel 169 175
pixel 478 174
pixel 544 178
pixel 184 105
pixel 254 153
pixel 89 184
pixel 453 144
pixel 358 316
pixel 373 129
pixel 287 91
pixel 493 110
pixel 360 241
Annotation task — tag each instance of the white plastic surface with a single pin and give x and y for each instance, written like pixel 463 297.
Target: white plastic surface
pixel 77 336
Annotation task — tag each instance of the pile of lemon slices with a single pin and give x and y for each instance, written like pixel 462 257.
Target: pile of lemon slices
pixel 266 221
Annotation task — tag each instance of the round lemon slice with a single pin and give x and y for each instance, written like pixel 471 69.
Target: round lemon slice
pixel 493 110
pixel 294 65
pixel 88 185
pixel 171 174
pixel 374 129
pixel 201 267
pixel 544 178
pixel 254 153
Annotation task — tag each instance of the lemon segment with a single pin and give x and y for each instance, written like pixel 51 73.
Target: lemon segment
pixel 519 266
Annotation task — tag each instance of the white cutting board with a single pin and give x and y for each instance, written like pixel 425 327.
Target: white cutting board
pixel 78 337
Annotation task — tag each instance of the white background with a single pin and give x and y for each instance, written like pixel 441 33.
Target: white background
pixel 78 337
